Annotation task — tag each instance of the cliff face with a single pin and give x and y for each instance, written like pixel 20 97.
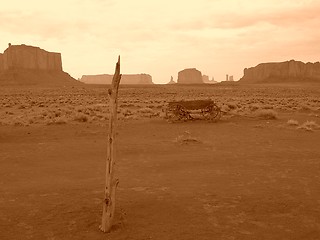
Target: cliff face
pixel 28 65
pixel 190 76
pixel 290 71
pixel 29 57
pixel 1 63
pixel 125 79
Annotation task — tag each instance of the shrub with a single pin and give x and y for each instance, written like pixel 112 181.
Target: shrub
pixel 254 107
pixel 292 122
pixel 305 107
pixel 57 121
pixel 232 105
pixel 81 118
pixel 145 110
pixel 267 106
pixel 127 113
pixel 267 114
pixel 225 108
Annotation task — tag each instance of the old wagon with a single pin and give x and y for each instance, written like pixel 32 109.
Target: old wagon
pixel 193 109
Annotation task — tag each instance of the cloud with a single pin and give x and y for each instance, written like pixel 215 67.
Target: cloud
pixel 249 31
pixel 37 24
pixel 285 16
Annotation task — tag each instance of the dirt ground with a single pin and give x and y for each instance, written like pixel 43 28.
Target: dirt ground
pixel 238 178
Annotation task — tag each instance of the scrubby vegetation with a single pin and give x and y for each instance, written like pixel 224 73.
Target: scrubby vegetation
pixel 90 105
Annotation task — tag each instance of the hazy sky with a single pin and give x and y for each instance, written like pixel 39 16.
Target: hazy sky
pixel 217 37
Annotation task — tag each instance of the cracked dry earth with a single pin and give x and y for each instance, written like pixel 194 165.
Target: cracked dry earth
pixel 239 178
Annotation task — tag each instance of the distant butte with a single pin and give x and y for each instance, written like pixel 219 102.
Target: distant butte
pixel 282 72
pixel 206 79
pixel 190 76
pixel 29 65
pixel 125 79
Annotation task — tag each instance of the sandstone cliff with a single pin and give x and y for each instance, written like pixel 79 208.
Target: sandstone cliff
pixel 125 79
pixel 24 65
pixel 190 76
pixel 289 71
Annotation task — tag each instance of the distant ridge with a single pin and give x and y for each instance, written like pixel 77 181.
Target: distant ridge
pixel 282 72
pixel 125 79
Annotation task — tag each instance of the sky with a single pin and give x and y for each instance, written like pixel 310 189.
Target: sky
pixel 163 37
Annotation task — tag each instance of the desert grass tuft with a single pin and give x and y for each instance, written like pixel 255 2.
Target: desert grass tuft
pixel 186 138
pixel 309 126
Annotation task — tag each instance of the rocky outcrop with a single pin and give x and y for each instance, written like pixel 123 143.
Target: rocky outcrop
pixel 289 71
pixel 190 76
pixel 28 65
pixel 125 79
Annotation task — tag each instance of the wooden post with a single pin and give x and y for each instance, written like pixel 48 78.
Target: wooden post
pixel 111 183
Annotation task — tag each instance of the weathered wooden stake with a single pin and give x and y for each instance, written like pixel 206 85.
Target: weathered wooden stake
pixel 111 183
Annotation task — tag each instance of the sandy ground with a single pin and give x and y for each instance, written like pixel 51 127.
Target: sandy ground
pixel 239 178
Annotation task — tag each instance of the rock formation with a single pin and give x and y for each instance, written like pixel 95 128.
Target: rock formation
pixel 22 64
pixel 125 79
pixel 190 76
pixel 289 71
pixel 171 81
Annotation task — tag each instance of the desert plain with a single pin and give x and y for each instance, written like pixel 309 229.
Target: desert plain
pixel 254 174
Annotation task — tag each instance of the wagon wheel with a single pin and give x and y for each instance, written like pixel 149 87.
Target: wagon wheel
pixel 182 113
pixel 171 113
pixel 212 112
pixel 215 112
pixel 175 113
